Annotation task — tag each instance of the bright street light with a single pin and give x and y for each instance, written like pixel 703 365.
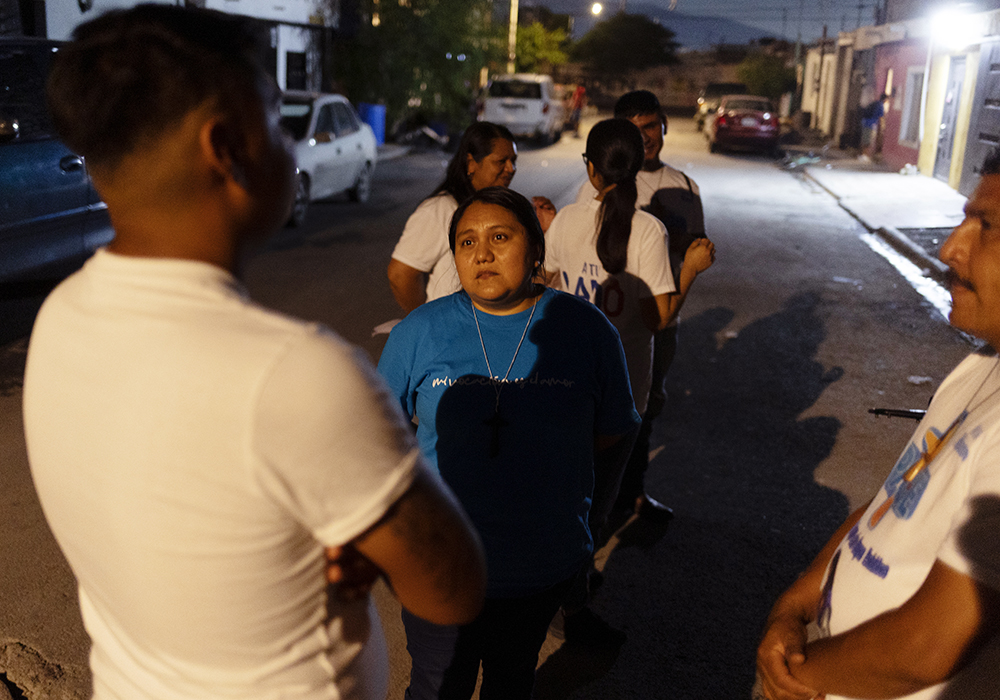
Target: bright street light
pixel 596 8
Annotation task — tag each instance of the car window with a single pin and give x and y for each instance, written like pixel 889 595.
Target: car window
pixel 295 118
pixel 325 123
pixel 516 88
pixel 758 105
pixel 345 120
pixel 22 80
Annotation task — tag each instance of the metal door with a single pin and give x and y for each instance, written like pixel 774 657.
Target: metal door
pixel 984 130
pixel 949 118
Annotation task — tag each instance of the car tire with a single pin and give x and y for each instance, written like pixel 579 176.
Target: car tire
pixel 301 204
pixel 362 190
pixel 713 147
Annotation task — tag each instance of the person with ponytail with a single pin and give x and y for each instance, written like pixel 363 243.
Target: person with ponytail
pixel 607 252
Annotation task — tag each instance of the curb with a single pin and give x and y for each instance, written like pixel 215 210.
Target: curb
pixel 931 266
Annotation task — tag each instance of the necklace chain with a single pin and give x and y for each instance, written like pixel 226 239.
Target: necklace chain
pixel 498 385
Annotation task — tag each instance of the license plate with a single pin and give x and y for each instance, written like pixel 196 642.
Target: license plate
pixel 748 121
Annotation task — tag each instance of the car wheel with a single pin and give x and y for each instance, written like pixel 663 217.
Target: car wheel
pixel 713 147
pixel 362 189
pixel 301 204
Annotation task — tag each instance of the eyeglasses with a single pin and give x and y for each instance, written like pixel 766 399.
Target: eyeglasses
pixel 586 160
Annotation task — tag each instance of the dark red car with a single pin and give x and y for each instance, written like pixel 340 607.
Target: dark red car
pixel 743 121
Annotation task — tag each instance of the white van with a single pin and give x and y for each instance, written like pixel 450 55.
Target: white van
pixel 527 104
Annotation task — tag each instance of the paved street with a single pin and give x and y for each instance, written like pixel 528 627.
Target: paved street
pixel 764 447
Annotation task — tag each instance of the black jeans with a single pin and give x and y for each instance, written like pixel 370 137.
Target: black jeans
pixel 506 637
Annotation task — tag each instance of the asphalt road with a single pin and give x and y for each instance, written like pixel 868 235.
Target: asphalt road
pixel 764 447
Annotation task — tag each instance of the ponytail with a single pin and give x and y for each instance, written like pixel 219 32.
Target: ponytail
pixel 615 216
pixel 614 148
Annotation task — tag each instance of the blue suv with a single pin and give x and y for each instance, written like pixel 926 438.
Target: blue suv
pixel 51 218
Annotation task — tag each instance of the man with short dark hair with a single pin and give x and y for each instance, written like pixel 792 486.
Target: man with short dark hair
pixel 673 198
pixel 906 593
pixel 196 454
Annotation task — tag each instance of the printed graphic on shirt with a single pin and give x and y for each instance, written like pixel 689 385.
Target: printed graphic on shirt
pixel 909 478
pixel 608 296
pixel 519 382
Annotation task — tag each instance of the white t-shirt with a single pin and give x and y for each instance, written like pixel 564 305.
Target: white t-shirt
pixel 571 250
pixel 949 512
pixel 193 454
pixel 647 184
pixel 424 245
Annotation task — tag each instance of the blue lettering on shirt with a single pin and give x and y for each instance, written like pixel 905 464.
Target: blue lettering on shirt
pixel 868 558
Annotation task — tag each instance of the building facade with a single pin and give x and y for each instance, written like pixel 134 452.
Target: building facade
pixel 300 30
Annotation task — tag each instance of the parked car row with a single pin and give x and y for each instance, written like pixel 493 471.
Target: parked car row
pixel 743 121
pixel 52 218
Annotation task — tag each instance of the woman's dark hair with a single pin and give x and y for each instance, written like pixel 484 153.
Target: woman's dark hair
pixel 477 141
pixel 513 202
pixel 614 148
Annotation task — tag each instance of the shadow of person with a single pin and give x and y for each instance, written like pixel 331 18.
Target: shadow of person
pixel 737 466
pixel 977 541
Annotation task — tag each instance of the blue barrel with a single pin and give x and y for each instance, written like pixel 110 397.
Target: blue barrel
pixel 374 116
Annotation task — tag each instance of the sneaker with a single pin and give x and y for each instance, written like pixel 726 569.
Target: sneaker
pixel 648 508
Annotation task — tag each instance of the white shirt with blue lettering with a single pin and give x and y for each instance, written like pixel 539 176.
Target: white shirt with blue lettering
pixel 571 251
pixel 949 510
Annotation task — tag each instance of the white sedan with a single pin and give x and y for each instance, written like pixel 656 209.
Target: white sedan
pixel 335 151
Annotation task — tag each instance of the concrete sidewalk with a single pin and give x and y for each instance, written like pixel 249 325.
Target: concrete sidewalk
pixel 912 212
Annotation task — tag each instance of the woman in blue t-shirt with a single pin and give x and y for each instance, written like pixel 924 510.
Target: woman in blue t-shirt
pixel 524 407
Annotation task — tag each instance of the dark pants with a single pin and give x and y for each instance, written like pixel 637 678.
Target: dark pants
pixel 506 638
pixel 664 349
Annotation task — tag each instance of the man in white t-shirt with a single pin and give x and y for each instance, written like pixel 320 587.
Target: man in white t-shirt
pixel 198 457
pixel 907 592
pixel 673 198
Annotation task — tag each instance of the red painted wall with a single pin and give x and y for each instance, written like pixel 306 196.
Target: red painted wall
pixel 899 56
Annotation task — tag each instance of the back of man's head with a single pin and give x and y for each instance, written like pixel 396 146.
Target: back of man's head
pixel 130 75
pixel 637 102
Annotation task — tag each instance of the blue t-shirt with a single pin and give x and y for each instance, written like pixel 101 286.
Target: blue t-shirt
pixel 568 383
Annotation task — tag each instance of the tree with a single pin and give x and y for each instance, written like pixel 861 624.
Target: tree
pixel 766 75
pixel 626 43
pixel 418 56
pixel 538 49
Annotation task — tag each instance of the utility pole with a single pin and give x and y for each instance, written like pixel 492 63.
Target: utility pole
pixel 512 37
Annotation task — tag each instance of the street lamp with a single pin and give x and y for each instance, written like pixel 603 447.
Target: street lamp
pixel 596 8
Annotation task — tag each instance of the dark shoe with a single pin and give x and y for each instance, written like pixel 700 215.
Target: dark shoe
pixel 595 579
pixel 585 628
pixel 648 508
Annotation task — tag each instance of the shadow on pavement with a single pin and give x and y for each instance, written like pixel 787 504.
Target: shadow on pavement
pixel 737 467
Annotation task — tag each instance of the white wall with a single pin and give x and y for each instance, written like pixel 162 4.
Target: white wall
pixel 62 16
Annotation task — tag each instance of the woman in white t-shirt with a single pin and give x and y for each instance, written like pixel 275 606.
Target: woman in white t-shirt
pixel 617 258
pixel 486 157
pixel 612 255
